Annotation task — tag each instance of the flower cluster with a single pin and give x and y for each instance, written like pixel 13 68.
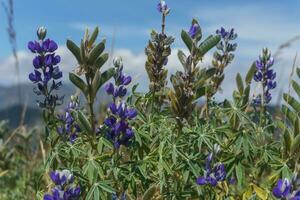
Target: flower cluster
pixel 223 56
pixel 119 130
pixel 265 76
pixel 162 7
pixel 283 189
pixel 45 70
pixel 225 44
pixel 121 81
pixel 64 189
pixel 69 126
pixel 213 174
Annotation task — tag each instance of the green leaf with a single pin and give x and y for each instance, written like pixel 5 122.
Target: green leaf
pixel 250 73
pixel 95 83
pixel 239 83
pixel 292 102
pixel 288 113
pixel 105 76
pixel 82 52
pixel 106 187
pixel 261 193
pixel 208 44
pixel 200 92
pixel 94 36
pixel 101 60
pixel 90 194
pixel 84 122
pixel 78 82
pixel 287 140
pixel 182 57
pixel 296 87
pixel 298 72
pixel 296 144
pixel 96 52
pixel 240 174
pixel 187 39
pixel 75 50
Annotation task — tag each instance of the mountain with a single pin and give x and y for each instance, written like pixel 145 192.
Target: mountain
pixel 10 106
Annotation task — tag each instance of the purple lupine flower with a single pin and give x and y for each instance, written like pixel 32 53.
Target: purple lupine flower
pixel 69 128
pixel 61 177
pixel 296 195
pixel 265 76
pixel 121 81
pixel 117 123
pixel 115 197
pixel 45 70
pixel 64 189
pixel 282 188
pixel 213 173
pixel 109 88
pixel 162 7
pixel 228 35
pixel 194 30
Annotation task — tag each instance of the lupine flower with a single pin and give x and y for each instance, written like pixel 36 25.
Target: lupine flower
pixel 119 131
pixel 265 76
pixel 121 80
pixel 69 126
pixel 115 197
pixel 46 74
pixel 162 7
pixel 213 174
pixel 64 189
pixel 227 36
pixel 194 30
pixel 282 188
pixel 296 195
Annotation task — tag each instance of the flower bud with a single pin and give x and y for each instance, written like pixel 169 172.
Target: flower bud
pixel 118 61
pixel 41 32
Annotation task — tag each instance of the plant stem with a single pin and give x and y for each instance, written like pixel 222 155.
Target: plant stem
pixel 90 100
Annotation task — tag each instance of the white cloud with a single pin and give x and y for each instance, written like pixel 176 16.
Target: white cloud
pixel 252 22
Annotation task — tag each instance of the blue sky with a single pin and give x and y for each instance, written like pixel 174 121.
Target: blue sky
pixel 259 23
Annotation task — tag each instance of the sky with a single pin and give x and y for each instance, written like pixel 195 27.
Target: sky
pixel 127 25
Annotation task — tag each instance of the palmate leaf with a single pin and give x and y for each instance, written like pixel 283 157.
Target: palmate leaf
pixel 208 44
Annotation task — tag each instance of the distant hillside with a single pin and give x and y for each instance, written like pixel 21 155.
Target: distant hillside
pixel 12 115
pixel 10 107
